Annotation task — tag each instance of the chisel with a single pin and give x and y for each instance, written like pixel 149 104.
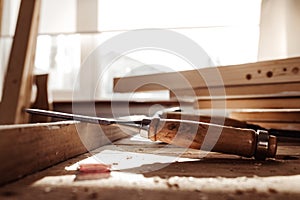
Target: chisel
pixel 189 134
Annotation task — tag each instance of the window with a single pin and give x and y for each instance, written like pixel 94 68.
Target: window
pixel 71 29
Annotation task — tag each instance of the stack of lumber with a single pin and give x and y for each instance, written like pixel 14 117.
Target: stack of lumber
pixel 275 79
pixel 262 85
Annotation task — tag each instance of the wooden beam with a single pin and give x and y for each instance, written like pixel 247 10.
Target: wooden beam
pixel 25 149
pixel 265 72
pixel 258 102
pixel 1 15
pixel 18 79
pixel 260 89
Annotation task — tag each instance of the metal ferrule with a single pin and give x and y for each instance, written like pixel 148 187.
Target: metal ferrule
pixel 262 145
pixel 144 129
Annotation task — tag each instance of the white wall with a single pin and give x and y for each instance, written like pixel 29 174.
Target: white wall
pixel 279 29
pixel 58 16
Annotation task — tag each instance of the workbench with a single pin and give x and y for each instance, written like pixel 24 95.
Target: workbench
pixel 142 169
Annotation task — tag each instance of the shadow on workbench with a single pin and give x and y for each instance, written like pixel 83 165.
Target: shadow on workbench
pixel 220 167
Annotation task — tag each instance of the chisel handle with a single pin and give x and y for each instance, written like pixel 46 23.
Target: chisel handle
pixel 211 137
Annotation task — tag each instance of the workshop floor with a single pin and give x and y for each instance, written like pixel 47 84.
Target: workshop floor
pixel 147 170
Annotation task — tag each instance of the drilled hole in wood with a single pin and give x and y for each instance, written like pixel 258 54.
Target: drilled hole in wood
pixel 248 76
pixel 269 74
pixel 259 71
pixel 295 70
pixel 284 69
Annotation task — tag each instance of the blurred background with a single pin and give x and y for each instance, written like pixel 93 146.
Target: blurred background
pixel 230 31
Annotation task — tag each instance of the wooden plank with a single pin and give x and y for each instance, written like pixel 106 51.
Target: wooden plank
pixel 265 72
pixel 255 102
pixel 268 115
pixel 260 89
pixel 1 15
pixel 18 80
pixel 25 149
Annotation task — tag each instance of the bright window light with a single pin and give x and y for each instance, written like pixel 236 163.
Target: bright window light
pixel 227 30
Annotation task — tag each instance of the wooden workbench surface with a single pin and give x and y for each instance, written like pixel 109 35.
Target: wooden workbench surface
pixel 146 170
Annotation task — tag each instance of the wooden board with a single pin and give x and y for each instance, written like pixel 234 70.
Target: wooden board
pixel 18 79
pixel 275 88
pixel 257 102
pixel 268 115
pixel 265 72
pixel 25 149
pixel 215 177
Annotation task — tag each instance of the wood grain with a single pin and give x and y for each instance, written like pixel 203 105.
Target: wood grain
pixel 25 149
pixel 265 72
pixel 18 79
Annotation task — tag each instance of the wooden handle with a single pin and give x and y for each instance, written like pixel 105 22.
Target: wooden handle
pixel 204 136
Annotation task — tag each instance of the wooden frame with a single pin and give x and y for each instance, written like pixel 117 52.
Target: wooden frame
pixel 18 79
